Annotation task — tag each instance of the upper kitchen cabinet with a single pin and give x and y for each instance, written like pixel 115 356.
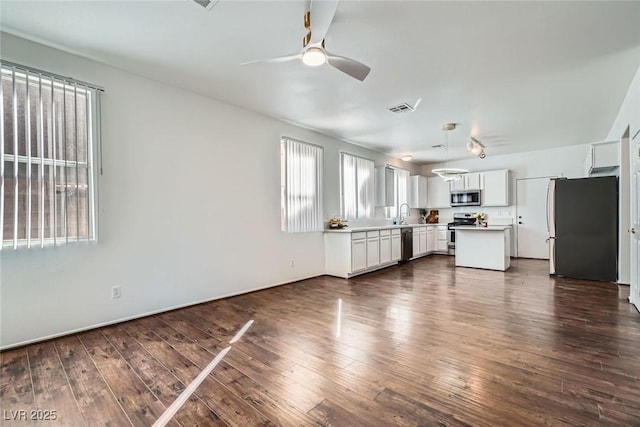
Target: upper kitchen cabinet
pixel 418 192
pixel 385 186
pixel 438 192
pixel 495 189
pixel 469 181
pixel 603 158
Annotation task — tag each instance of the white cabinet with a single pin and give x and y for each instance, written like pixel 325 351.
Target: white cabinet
pixel 431 236
pixel 385 185
pixel 396 247
pixel 358 251
pixel 373 249
pixel 419 240
pixel 418 192
pixel 496 188
pixel 438 193
pixel 385 246
pixel 603 158
pixel 416 242
pixel 441 239
pixel 423 240
pixel 468 181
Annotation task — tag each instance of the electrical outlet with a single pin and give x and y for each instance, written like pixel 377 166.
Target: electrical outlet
pixel 292 263
pixel 116 292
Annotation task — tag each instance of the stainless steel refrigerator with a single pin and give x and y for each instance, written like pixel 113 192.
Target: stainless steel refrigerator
pixel 582 217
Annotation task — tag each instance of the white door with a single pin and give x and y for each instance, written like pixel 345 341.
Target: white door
pixel 634 292
pixel 531 218
pixel 373 252
pixel 358 255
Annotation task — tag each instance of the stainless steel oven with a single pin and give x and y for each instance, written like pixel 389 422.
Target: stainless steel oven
pixel 458 219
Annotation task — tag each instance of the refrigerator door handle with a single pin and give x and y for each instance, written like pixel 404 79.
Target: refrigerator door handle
pixel 548 185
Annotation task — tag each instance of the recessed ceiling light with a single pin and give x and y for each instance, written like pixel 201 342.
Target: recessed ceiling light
pixel 406 158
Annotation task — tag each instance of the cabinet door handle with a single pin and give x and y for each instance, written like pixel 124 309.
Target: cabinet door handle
pixel 632 231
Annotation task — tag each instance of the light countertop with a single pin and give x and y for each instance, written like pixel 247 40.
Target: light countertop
pixel 488 228
pixel 374 227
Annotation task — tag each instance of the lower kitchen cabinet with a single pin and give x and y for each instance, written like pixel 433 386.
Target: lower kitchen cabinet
pixel 416 242
pixel 349 253
pixel 358 252
pixel 385 246
pixel 441 244
pixel 373 249
pixel 396 245
pixel 431 238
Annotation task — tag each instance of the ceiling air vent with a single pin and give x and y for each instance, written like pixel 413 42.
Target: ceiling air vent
pixel 401 108
pixel 437 146
pixel 207 4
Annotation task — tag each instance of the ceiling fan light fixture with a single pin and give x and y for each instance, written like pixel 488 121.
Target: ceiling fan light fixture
pixel 406 158
pixel 314 57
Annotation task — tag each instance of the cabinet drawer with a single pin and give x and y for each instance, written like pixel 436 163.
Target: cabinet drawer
pixel 385 232
pixel 359 235
pixel 395 232
pixel 371 234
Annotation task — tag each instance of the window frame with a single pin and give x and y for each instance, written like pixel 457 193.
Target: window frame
pixel 369 211
pixel 311 222
pixel 91 163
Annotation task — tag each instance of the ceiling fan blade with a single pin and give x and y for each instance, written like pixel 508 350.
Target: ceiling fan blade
pixel 274 60
pixel 349 66
pixel 322 13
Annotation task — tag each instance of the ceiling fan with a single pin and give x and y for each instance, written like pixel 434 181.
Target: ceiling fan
pixel 317 21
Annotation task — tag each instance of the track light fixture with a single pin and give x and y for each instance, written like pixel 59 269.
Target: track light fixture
pixel 476 147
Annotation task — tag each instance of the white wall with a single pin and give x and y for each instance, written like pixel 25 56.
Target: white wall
pixel 628 117
pixel 189 208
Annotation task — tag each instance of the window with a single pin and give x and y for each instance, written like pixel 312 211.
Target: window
pixel 48 131
pixel 401 194
pixel 301 184
pixel 357 181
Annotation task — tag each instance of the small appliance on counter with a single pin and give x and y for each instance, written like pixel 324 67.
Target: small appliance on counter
pixel 338 223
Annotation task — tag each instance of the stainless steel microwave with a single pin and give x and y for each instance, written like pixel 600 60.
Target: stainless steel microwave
pixel 465 198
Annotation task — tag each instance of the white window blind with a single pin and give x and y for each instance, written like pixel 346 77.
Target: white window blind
pixel 401 193
pixel 301 177
pixel 357 186
pixel 48 131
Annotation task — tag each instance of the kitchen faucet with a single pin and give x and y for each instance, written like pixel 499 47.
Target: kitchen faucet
pixel 403 218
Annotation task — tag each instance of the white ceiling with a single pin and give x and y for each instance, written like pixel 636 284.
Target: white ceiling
pixel 516 75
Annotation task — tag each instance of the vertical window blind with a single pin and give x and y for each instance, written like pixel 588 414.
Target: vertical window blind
pixel 401 193
pixel 357 175
pixel 301 185
pixel 48 131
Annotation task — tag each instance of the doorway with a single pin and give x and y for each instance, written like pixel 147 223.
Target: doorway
pixel 532 223
pixel 634 292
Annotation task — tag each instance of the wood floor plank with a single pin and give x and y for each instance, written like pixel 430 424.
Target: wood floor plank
pixel 139 403
pixel 162 383
pixel 16 389
pixel 229 407
pixel 97 403
pixel 51 387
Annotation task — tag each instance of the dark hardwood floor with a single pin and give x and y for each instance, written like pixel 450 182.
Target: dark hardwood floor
pixel 424 343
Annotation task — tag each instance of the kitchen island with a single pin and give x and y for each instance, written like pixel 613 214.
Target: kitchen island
pixel 484 247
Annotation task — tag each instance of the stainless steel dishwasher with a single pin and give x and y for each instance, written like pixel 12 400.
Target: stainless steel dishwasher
pixel 406 238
